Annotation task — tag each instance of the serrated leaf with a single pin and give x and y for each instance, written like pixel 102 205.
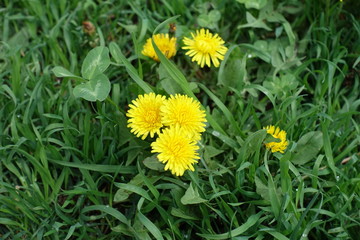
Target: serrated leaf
pixel 308 147
pixel 96 62
pixel 192 196
pixel 97 88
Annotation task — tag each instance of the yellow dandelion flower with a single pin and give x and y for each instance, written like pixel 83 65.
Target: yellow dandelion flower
pixel 185 112
pixel 279 134
pixel 166 45
pixel 176 150
pixel 204 48
pixel 144 115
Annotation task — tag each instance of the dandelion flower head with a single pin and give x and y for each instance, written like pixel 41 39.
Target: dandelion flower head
pixel 204 48
pixel 144 115
pixel 276 132
pixel 166 45
pixel 176 150
pixel 185 112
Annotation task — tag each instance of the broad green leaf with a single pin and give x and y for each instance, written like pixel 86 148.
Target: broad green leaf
pixel 269 138
pixel 133 188
pixel 192 196
pixel 181 214
pixel 170 86
pixel 62 72
pixel 307 147
pixel 97 88
pixel 121 195
pixel 253 144
pixel 211 151
pixel 166 82
pixel 203 20
pixel 232 71
pixel 281 86
pixel 257 4
pixel 214 15
pixel 262 189
pixel 96 62
pixel 153 163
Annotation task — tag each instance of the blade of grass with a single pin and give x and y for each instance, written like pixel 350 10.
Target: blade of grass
pixel 253 219
pixel 98 167
pixel 147 223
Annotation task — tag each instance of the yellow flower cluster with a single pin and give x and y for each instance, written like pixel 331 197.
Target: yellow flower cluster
pixel 166 45
pixel 276 132
pixel 204 47
pixel 178 121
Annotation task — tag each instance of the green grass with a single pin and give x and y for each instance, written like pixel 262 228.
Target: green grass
pixel 71 169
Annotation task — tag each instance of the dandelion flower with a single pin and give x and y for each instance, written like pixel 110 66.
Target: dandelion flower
pixel 185 112
pixel 176 150
pixel 144 115
pixel 279 134
pixel 204 48
pixel 166 45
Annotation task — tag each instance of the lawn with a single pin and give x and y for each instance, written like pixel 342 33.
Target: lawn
pixel 179 119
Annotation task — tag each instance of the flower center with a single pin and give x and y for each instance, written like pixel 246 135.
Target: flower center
pixel 182 117
pixel 151 117
pixel 204 45
pixel 177 149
